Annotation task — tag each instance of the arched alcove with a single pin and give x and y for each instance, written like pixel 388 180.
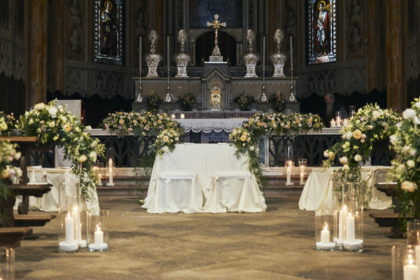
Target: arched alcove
pixel 205 44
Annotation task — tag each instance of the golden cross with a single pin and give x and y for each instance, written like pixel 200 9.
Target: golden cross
pixel 216 24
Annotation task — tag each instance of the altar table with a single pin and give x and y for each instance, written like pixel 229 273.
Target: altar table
pixel 63 194
pixel 203 178
pixel 318 190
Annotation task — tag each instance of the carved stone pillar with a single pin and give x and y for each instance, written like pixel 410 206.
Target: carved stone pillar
pixel 36 50
pixel 395 55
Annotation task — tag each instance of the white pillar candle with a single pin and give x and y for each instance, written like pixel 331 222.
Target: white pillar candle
pixel 341 223
pixel 325 235
pixel 69 227
pixel 99 236
pixel 110 173
pixel 182 116
pixel 289 172
pixel 77 229
pixel 173 116
pixel 410 269
pixel 338 121
pixel 417 250
pixel 350 231
pixel 302 174
pixel 332 123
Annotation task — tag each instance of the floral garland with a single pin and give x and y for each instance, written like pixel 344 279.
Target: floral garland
pixel 369 125
pixel 146 124
pixel 55 125
pixel 245 138
pixel 8 174
pixel 406 165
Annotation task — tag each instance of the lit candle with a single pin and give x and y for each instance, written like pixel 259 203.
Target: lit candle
pixel 77 229
pixel 342 225
pixel 302 168
pixel 332 123
pixel 173 116
pixel 110 173
pixel 345 122
pixel 410 269
pixel 338 121
pixel 417 250
pixel 99 236
pixel 182 116
pixel 350 231
pixel 325 234
pixel 289 172
pixel 69 227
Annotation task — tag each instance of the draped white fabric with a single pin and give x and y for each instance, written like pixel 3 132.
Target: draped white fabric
pixel 222 182
pixel 318 190
pixel 63 194
pixel 209 125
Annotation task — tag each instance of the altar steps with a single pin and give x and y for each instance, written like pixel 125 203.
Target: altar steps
pixel 136 185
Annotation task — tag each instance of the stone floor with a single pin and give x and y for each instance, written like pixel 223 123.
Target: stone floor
pixel 277 244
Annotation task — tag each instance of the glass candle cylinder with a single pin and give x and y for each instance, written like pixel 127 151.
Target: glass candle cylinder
pixel 67 238
pixel 404 266
pixel 98 237
pixel 352 219
pixel 325 223
pixel 303 163
pixel 7 263
pixel 289 171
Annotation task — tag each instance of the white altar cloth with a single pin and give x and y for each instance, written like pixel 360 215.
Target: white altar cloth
pixel 63 194
pixel 318 190
pixel 206 161
pixel 210 125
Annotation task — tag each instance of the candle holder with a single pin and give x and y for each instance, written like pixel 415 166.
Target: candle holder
pixel 98 236
pixel 110 167
pixel 404 265
pixel 413 233
pixel 289 166
pixel 67 239
pixel 351 217
pixel 303 163
pixel 7 263
pixel 325 224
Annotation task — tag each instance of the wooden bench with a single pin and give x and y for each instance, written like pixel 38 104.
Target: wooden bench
pixel 32 220
pixel 11 236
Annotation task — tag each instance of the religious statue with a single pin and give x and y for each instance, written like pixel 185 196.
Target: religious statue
pixel 216 56
pixel 321 28
pixel 278 58
pixel 215 97
pixel 109 31
pixel 153 58
pixel 250 58
pixel 182 59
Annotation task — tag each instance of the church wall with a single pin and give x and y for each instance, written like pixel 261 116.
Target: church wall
pixel 413 51
pixel 12 56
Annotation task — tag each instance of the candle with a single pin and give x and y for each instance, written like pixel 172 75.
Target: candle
pixel 173 116
pixel 325 234
pixel 345 122
pixel 291 57
pixel 99 236
pixel 182 116
pixel 302 174
pixel 77 229
pixel 410 269
pixel 338 121
pixel 263 58
pixel 341 224
pixel 417 250
pixel 140 55
pixel 289 172
pixel 110 173
pixel 350 231
pixel 69 227
pixel 332 123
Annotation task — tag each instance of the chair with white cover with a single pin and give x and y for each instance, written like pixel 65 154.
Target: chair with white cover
pixel 234 191
pixel 175 191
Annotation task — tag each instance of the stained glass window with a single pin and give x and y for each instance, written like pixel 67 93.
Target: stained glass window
pixel 109 32
pixel 322 31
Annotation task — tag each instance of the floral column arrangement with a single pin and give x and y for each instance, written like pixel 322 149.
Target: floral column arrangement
pixel 406 165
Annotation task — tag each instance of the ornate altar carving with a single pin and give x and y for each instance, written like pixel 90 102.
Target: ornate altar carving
pixel 278 58
pixel 182 59
pixel 215 96
pixel 216 56
pixel 250 58
pixel 153 58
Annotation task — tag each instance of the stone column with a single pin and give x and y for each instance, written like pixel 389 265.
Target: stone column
pixel 36 51
pixel 396 30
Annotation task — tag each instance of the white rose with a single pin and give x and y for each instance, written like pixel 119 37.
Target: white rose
pixel 348 135
pixel 411 163
pixel 39 106
pixel 326 153
pixel 93 156
pixel 357 158
pixel 346 167
pixel 376 115
pixel 18 155
pixel 82 159
pixel 409 186
pixel 343 160
pixel 406 149
pixel 412 152
pixel 60 108
pixel 417 105
pixel 252 148
pixel 370 127
pixel 401 168
pixel 53 111
pixel 416 120
pixel 393 139
pixel 409 114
